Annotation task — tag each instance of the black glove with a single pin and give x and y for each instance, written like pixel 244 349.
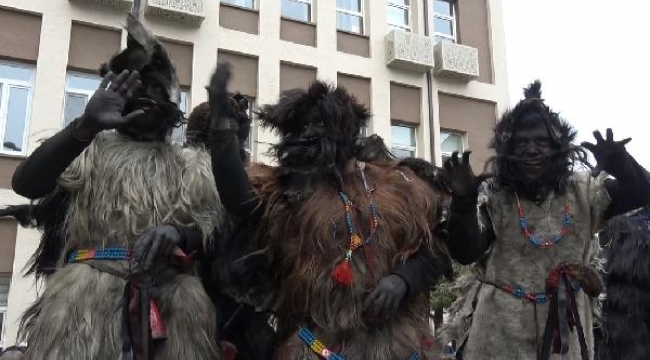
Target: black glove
pixel 384 301
pixel 605 152
pixel 219 99
pixel 157 243
pixel 462 181
pixel 105 107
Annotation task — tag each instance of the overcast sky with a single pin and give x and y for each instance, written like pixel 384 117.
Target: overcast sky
pixel 593 59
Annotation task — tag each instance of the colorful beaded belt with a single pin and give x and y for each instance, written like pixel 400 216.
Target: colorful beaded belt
pixel 519 293
pixel 111 253
pixel 317 346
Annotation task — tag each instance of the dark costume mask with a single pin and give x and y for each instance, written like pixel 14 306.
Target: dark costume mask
pixel 159 94
pixel 198 124
pixel 318 131
pixel 533 145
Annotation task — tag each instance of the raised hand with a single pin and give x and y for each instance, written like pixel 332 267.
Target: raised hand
pixel 219 99
pixel 462 181
pixel 105 107
pixel 156 244
pixel 604 151
pixel 384 301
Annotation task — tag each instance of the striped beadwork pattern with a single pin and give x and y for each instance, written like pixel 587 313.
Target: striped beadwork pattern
pixel 110 253
pixel 316 345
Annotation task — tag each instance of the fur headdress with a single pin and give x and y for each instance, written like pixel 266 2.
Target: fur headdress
pixel 529 111
pixel 147 55
pixel 336 107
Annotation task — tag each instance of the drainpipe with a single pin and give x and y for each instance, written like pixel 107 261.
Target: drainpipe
pixel 432 140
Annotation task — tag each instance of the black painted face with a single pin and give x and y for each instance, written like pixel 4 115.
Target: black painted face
pixel 151 98
pixel 532 151
pixel 309 144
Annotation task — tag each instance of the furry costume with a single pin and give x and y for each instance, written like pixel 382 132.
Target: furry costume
pixel 626 308
pixel 307 254
pixel 301 228
pixel 115 190
pixel 497 318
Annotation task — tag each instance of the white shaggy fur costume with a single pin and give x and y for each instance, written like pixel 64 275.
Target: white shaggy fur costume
pixel 119 189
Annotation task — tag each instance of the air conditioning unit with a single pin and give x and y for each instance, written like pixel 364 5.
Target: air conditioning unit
pixel 409 51
pixel 457 61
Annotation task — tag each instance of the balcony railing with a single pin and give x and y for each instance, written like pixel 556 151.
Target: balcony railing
pixel 457 61
pixel 409 51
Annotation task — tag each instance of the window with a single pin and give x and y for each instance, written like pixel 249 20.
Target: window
pixel 398 15
pixel 450 142
pixel 15 105
pixel 403 141
pixel 5 280
pixel 444 21
pixel 297 9
pixel 243 3
pixel 79 88
pixel 248 144
pixel 349 15
pixel 178 133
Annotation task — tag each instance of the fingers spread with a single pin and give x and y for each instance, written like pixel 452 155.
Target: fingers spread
pixel 454 158
pixel 130 85
pixel 154 250
pixel 589 146
pixel 466 156
pixel 132 115
pixel 625 141
pixel 370 299
pixel 484 176
pixel 141 247
pixel 106 80
pixel 598 136
pixel 117 82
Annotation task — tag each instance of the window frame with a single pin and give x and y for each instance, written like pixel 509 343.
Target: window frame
pixel 451 18
pixel 5 87
pixel 254 7
pixel 311 10
pixel 463 142
pixel 186 112
pixel 248 147
pixel 412 148
pixel 76 91
pixel 3 311
pixel 361 14
pixel 3 325
pixel 409 26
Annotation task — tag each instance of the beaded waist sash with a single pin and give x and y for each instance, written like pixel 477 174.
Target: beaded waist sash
pixel 110 253
pixel 318 348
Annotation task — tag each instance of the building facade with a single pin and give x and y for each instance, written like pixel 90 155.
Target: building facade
pixel 431 71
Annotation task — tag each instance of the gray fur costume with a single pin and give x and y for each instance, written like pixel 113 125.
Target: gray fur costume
pixel 495 324
pixel 120 188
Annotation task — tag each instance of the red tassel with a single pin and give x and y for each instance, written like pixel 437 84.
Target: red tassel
pixel 342 274
pixel 158 330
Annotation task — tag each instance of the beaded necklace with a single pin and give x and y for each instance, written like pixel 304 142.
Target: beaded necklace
pixel 523 224
pixel 342 273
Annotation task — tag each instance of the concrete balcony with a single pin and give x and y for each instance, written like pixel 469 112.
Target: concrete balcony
pixel 409 51
pixel 191 12
pixel 120 4
pixel 455 61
